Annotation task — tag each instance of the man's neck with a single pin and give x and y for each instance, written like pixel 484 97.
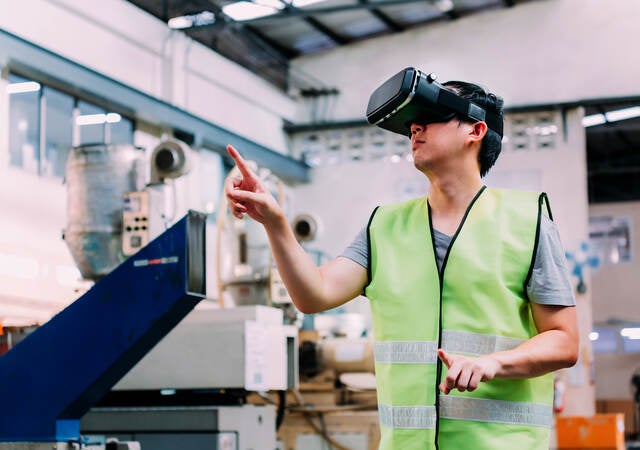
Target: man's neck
pixel 449 198
pixel 449 193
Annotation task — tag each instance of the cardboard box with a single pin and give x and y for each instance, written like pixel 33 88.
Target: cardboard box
pixel 600 431
pixel 619 405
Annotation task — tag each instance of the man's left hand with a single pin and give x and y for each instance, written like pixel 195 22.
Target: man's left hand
pixel 465 373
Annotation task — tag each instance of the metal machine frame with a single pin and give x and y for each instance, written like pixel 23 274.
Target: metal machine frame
pixel 54 376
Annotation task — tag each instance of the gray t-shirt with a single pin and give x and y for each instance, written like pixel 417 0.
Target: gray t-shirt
pixel 549 283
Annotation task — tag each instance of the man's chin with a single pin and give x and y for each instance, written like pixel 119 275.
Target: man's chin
pixel 420 164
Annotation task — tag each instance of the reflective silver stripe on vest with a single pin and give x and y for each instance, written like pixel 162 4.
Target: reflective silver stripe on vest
pixel 405 352
pixel 499 411
pixel 475 343
pixel 417 417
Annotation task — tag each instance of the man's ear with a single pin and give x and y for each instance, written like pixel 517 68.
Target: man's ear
pixel 478 131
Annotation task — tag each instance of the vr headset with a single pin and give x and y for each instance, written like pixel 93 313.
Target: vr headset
pixel 410 96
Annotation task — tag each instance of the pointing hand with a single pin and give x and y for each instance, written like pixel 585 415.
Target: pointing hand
pixel 465 373
pixel 247 195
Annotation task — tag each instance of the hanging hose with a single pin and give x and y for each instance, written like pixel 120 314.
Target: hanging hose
pixel 282 405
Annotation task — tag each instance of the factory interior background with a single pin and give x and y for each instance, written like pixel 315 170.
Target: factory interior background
pixel 94 93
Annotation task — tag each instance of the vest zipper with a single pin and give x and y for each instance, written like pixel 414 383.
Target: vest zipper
pixel 441 281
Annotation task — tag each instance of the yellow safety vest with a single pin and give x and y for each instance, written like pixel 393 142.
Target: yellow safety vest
pixel 477 304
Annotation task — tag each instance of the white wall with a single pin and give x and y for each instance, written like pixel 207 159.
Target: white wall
pixel 616 287
pixel 615 296
pixel 540 52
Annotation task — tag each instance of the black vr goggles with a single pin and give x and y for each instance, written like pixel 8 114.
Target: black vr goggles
pixel 411 96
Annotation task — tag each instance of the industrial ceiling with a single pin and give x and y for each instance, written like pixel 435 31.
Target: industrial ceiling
pixel 265 35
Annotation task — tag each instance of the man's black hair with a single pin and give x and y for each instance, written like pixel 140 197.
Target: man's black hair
pixel 492 142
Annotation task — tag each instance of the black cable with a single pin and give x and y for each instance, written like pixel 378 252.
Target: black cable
pixel 282 403
pixel 325 434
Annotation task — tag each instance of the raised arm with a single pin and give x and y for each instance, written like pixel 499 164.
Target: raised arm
pixel 554 347
pixel 312 289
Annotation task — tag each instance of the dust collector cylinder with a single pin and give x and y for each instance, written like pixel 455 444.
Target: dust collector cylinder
pixel 97 177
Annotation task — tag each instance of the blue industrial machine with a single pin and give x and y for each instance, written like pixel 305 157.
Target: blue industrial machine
pixel 54 376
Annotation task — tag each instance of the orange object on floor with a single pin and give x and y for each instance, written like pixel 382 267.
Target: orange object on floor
pixel 600 431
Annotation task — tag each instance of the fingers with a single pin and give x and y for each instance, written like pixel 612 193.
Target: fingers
pixel 474 382
pixel 462 384
pixel 451 378
pixel 240 162
pixel 450 381
pixel 247 202
pixel 236 207
pixel 463 374
pixel 445 358
pixel 244 197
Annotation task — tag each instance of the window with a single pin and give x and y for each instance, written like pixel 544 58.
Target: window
pixel 611 238
pixel 90 121
pixel 609 339
pixel 630 338
pixel 24 123
pixel 604 339
pixel 45 123
pixel 58 131
pixel 119 131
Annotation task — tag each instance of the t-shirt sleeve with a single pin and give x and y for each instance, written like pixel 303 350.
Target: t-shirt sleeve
pixel 550 283
pixel 358 250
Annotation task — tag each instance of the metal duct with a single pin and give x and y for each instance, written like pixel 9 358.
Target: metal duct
pixel 97 177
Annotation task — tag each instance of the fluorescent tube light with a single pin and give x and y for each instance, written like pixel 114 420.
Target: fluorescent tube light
pixel 194 20
pixel 113 118
pixel 623 114
pixel 630 333
pixel 167 392
pixel 91 119
pixel 97 119
pixel 611 116
pixel 19 88
pixel 247 10
pixel 592 120
pixel 444 6
pixel 178 23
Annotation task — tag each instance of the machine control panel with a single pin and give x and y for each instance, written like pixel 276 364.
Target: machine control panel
pixel 135 222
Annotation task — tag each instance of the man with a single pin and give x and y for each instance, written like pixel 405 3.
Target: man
pixel 471 303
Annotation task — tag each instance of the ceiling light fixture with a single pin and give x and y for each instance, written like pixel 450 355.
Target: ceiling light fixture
pixel 593 120
pixel 611 116
pixel 623 114
pixel 444 6
pixel 630 333
pixel 20 88
pixel 201 19
pixel 245 10
pixel 97 119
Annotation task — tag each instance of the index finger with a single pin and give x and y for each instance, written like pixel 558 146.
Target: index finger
pixel 445 358
pixel 240 162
